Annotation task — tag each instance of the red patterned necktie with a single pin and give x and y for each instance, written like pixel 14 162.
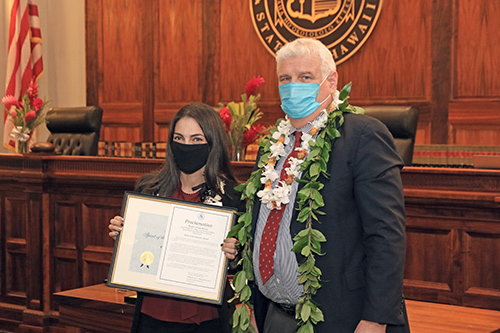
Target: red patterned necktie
pixel 270 232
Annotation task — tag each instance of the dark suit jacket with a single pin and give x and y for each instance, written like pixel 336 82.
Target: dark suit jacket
pixel 365 230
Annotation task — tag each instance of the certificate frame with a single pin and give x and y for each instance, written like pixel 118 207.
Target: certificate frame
pixel 190 266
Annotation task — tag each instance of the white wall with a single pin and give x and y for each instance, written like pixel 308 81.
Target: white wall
pixel 63 34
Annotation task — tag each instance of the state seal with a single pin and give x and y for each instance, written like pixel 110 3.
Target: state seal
pixel 342 25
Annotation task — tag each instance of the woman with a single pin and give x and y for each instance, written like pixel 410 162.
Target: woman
pixel 197 168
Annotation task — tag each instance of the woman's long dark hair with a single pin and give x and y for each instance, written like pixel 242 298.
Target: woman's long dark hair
pixel 165 181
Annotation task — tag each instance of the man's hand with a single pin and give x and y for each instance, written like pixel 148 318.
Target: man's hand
pixel 230 247
pixel 370 327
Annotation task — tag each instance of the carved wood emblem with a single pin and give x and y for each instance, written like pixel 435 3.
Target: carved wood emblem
pixel 342 25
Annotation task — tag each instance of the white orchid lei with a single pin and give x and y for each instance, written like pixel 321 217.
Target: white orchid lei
pixel 312 162
pixel 280 194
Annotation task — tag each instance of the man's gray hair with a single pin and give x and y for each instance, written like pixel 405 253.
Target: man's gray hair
pixel 308 46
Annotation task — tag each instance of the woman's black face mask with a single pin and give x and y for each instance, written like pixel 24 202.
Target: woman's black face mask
pixel 190 158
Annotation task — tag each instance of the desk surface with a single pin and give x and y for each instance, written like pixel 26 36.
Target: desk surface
pixel 96 308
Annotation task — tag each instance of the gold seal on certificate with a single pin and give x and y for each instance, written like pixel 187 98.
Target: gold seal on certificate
pixel 147 259
pixel 171 247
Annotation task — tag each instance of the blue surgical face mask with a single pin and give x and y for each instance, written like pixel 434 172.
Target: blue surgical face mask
pixel 298 99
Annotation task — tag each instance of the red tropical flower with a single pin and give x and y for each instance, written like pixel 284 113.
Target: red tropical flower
pixel 225 114
pixel 10 100
pixel 253 84
pixel 37 104
pixel 250 135
pixel 32 90
pixel 30 115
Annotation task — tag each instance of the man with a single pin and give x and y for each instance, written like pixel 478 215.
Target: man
pixel 364 225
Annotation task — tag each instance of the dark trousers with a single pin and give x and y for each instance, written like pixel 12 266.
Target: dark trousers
pixel 277 321
pixel 148 324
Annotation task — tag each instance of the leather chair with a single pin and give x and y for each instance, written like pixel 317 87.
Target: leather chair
pixel 402 122
pixel 74 131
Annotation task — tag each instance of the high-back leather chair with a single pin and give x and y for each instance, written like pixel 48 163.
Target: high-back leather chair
pixel 75 130
pixel 402 122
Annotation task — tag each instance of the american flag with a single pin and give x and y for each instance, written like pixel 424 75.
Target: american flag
pixel 24 59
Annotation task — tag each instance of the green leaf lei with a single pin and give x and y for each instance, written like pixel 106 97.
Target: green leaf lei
pixel 308 241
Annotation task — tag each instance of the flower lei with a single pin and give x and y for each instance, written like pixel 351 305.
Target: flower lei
pixel 274 197
pixel 312 162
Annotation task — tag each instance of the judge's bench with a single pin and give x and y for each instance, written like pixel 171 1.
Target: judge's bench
pixel 55 211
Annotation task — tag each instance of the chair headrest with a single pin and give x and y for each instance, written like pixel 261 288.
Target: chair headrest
pixel 401 121
pixel 85 119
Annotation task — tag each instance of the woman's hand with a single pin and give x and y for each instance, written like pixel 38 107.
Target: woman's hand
pixel 115 225
pixel 230 248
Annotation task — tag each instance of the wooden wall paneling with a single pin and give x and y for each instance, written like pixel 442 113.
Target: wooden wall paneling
pixel 97 246
pixel 122 132
pixel 121 59
pixel 82 241
pixel 394 63
pixel 94 271
pixel 178 58
pixel 442 233
pixel 481 135
pixel 15 286
pixel 482 279
pixel 66 273
pixel 423 136
pixel 424 125
pixel 483 271
pixel 475 103
pixel 426 247
pixel 149 22
pixel 92 70
pixel 210 63
pixel 424 53
pixel 2 243
pixel 243 56
pixel 96 213
pixel 161 130
pixel 442 32
pixel 34 267
pixel 452 219
pixel 477 47
pixel 47 255
pixel 123 45
pixel 15 248
pixel 474 122
pixel 66 224
pixel 179 52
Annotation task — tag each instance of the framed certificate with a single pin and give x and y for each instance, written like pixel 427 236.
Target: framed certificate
pixel 171 247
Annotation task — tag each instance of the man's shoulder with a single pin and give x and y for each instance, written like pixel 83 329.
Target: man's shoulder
pixel 358 118
pixel 362 122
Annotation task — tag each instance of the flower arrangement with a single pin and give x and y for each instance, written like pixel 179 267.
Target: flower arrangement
pixel 26 115
pixel 239 118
